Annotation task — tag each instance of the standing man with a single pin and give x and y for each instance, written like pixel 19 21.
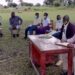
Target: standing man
pixel 15 24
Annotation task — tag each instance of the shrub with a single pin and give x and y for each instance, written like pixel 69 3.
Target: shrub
pixel 57 4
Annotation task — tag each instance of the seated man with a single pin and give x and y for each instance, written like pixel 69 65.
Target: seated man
pixel 33 27
pixel 59 23
pixel 67 32
pixel 1 34
pixel 15 23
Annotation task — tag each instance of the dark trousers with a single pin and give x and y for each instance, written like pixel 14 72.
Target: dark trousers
pixel 30 29
pixel 57 35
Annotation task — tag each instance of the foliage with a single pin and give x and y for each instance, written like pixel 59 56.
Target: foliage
pixel 12 4
pixel 38 4
pixel 49 2
pixel 26 4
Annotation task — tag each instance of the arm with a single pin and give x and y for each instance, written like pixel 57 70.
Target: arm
pixel 20 21
pixel 72 42
pixel 10 21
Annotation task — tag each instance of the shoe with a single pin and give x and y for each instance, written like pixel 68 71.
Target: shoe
pixel 14 35
pixel 17 35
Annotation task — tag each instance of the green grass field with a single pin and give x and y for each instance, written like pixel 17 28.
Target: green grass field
pixel 14 52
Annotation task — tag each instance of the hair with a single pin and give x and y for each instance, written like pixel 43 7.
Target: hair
pixel 12 12
pixel 58 17
pixel 66 18
pixel 45 14
pixel 36 13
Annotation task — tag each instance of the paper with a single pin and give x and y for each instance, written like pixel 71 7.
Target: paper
pixel 62 43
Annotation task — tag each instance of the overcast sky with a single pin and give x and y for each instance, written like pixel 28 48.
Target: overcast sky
pixel 29 1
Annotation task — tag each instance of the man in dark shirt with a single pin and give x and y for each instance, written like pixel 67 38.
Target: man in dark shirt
pixel 15 23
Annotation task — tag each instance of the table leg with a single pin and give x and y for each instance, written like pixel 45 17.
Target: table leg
pixel 70 62
pixel 42 65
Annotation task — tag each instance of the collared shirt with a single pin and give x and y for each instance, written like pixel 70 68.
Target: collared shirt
pixel 64 33
pixel 37 21
pixel 14 21
pixel 46 22
pixel 59 24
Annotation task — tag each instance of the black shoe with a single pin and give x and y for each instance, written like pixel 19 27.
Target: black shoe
pixel 14 35
pixel 17 35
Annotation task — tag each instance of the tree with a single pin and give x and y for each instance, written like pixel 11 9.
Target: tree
pixel 49 2
pixel 12 4
pixel 21 2
pixel 9 1
pixel 26 4
pixel 38 4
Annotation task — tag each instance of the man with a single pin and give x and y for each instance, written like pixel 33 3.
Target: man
pixel 67 32
pixel 15 23
pixel 1 34
pixel 33 27
pixel 46 20
pixel 59 23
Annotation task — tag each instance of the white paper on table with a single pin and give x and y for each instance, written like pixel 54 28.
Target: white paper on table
pixel 62 43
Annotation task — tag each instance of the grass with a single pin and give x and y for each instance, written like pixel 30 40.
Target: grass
pixel 14 58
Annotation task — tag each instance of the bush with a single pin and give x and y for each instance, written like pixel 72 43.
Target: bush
pixel 38 4
pixel 5 7
pixel 57 4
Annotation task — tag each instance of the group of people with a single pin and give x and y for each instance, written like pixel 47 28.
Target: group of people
pixel 65 30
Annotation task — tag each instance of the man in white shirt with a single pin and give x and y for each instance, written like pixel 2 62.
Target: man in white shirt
pixel 46 20
pixel 59 23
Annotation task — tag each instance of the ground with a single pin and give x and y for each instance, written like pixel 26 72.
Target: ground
pixel 14 57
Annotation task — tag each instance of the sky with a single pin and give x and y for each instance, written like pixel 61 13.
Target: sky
pixel 17 1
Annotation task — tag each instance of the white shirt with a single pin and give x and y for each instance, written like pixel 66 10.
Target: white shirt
pixel 59 24
pixel 64 33
pixel 37 21
pixel 46 22
pixel 72 40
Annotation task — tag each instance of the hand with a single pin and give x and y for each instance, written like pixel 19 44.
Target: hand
pixel 71 45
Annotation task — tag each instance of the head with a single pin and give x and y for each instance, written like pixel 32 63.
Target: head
pixel 37 15
pixel 66 19
pixel 13 14
pixel 58 17
pixel 45 15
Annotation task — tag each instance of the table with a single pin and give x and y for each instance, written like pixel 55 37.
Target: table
pixel 41 49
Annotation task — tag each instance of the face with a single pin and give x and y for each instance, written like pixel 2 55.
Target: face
pixel 65 22
pixel 45 16
pixel 12 14
pixel 58 17
pixel 37 16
